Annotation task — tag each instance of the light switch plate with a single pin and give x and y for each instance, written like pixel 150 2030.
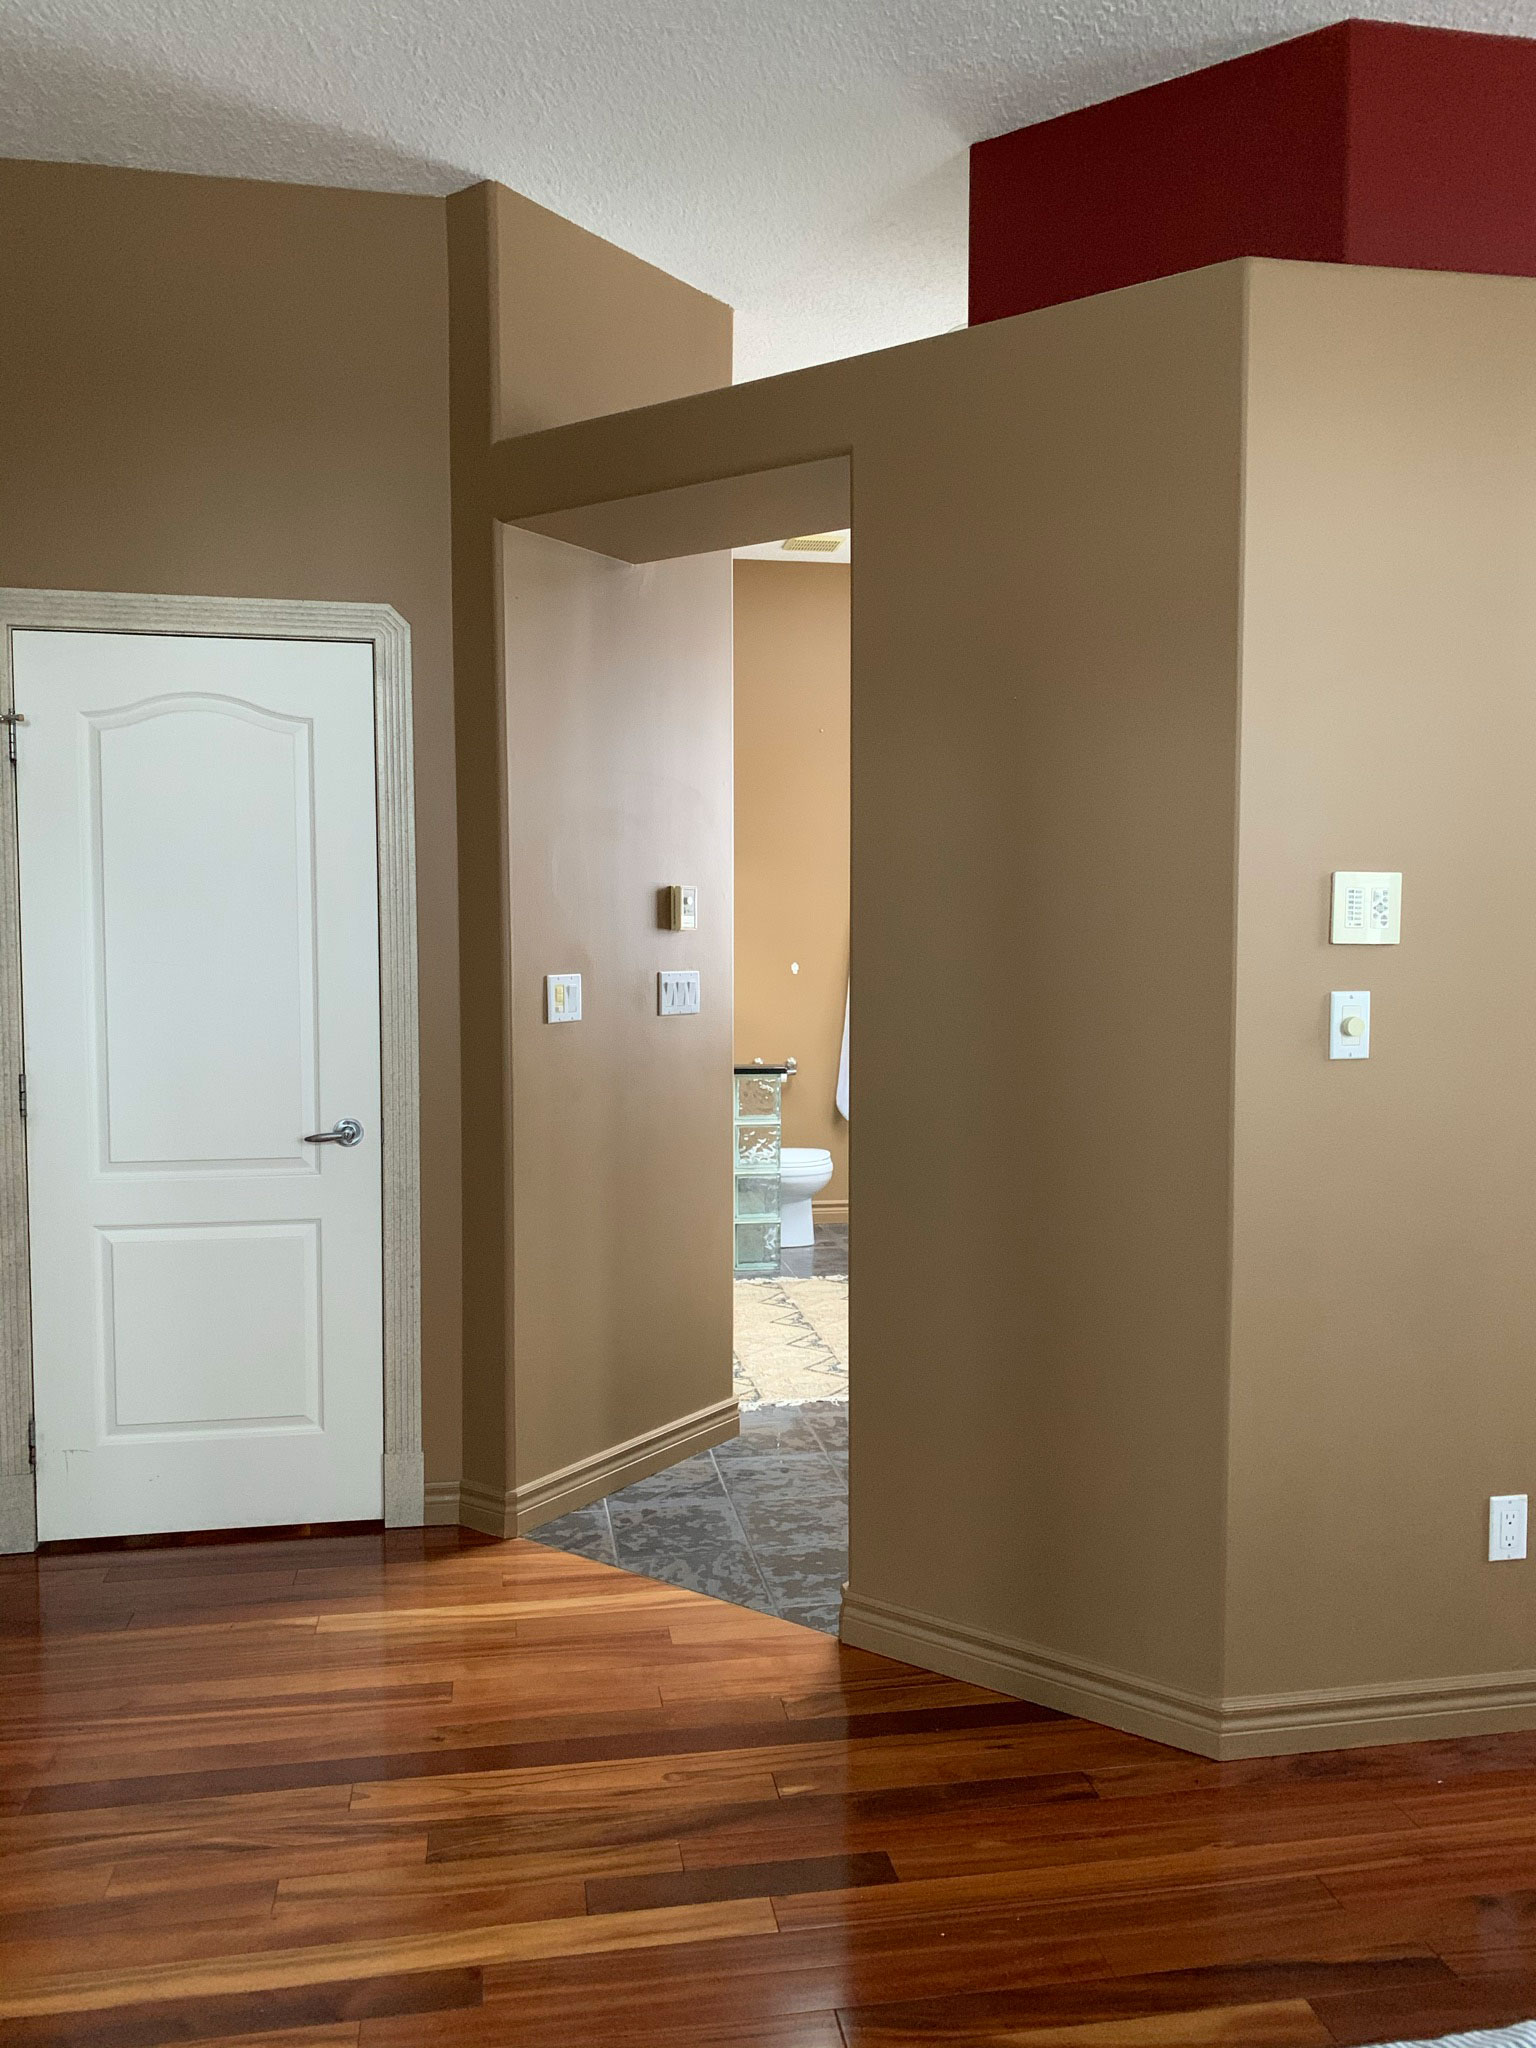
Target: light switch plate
pixel 683 907
pixel 562 998
pixel 1367 908
pixel 677 992
pixel 1349 1024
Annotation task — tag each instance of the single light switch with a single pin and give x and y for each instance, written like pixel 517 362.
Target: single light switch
pixel 1349 1024
pixel 562 998
pixel 1367 908
pixel 677 993
pixel 683 907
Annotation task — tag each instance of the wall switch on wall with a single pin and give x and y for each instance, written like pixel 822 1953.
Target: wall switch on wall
pixel 677 993
pixel 562 998
pixel 682 907
pixel 1367 908
pixel 1349 1024
pixel 1506 1527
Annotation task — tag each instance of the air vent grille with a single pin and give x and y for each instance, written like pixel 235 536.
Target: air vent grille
pixel 813 544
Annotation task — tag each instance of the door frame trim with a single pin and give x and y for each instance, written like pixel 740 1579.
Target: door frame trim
pixel 76 611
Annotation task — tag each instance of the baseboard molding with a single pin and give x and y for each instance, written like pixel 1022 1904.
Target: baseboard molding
pixel 1275 1724
pixel 830 1212
pixel 578 1485
pixel 1427 1710
pixel 440 1507
pixel 450 1501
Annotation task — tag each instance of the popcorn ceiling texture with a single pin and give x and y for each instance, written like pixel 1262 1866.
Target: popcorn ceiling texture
pixel 806 164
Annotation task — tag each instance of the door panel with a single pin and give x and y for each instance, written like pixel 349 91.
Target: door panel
pixel 228 984
pixel 200 991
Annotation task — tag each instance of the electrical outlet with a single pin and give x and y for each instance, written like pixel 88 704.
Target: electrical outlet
pixel 1506 1527
pixel 677 993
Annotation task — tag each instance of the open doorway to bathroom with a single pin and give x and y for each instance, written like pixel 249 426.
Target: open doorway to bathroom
pixel 762 1519
pixel 786 1474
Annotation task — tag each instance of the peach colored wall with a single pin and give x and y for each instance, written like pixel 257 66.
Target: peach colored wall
pixel 224 388
pixel 792 819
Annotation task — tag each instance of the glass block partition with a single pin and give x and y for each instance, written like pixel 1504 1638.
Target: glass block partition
pixel 759 1108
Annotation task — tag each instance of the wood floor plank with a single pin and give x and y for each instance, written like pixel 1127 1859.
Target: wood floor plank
pixel 402 1789
pixel 740 1881
pixel 299 2011
pixel 253 1970
pixel 1166 1996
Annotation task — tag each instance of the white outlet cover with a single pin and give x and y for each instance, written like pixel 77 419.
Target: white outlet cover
pixel 1506 1527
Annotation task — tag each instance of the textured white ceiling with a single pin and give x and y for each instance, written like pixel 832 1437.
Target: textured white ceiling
pixel 805 163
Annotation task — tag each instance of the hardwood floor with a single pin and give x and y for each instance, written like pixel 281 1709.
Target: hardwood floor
pixel 428 1789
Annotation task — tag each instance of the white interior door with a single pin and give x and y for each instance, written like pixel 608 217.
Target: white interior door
pixel 200 991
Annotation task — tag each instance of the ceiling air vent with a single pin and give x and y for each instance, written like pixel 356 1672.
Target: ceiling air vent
pixel 813 544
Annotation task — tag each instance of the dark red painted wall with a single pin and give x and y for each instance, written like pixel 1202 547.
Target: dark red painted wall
pixel 1442 150
pixel 1368 142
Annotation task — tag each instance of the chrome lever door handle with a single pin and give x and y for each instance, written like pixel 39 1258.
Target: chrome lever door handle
pixel 348 1132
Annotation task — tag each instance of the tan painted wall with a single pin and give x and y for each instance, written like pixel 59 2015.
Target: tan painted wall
pixel 593 710
pixel 214 387
pixel 1044 700
pixel 1384 1287
pixel 619 770
pixel 792 820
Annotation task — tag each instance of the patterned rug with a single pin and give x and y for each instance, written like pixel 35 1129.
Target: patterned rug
pixel 791 1341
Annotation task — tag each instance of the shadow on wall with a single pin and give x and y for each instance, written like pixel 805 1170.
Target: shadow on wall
pixel 74 106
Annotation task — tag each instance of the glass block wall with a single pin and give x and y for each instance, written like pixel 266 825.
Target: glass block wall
pixel 758 1111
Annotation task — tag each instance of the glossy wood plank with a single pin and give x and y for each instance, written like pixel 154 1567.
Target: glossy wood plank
pixel 392 1790
pixel 298 2011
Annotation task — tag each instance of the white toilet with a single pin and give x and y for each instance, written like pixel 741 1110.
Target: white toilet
pixel 804 1171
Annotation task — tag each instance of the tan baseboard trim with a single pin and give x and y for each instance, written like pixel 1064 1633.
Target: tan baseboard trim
pixel 578 1485
pixel 830 1212
pixel 462 1502
pixel 1427 1710
pixel 1278 1724
pixel 1028 1672
pixel 456 1503
pixel 440 1503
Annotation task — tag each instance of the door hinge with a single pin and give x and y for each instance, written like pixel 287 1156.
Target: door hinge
pixel 32 1442
pixel 21 1095
pixel 10 720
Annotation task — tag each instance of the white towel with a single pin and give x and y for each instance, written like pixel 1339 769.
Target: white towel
pixel 842 1066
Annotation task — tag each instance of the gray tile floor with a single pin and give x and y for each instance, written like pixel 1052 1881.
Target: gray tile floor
pixel 761 1521
pixel 828 1256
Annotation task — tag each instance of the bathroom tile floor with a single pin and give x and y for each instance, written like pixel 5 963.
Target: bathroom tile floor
pixel 761 1521
pixel 826 1259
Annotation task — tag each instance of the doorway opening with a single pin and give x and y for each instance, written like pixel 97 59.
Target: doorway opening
pixel 761 1520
